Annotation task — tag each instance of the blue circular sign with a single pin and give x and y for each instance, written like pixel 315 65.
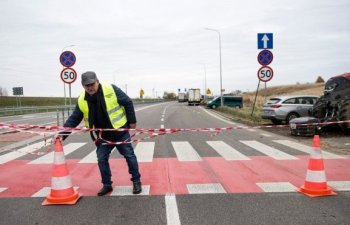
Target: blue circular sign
pixel 265 57
pixel 67 59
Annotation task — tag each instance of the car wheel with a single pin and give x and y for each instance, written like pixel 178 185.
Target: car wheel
pixel 213 107
pixel 291 116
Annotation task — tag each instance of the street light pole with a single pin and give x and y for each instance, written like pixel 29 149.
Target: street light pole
pixel 205 83
pixel 222 103
pixel 64 84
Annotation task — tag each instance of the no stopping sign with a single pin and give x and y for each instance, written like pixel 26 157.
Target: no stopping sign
pixel 265 73
pixel 68 75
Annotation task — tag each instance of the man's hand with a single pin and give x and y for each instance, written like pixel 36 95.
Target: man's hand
pixel 132 125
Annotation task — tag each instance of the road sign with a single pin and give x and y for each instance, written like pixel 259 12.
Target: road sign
pixel 17 90
pixel 208 92
pixel 265 73
pixel 67 59
pixel 265 40
pixel 223 90
pixel 142 92
pixel 265 57
pixel 68 75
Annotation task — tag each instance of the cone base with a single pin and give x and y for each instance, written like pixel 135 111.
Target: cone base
pixel 69 200
pixel 316 192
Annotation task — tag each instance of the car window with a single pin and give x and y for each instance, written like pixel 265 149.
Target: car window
pixel 291 101
pixel 273 101
pixel 307 101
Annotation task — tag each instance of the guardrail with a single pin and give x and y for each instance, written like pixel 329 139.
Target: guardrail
pixel 12 111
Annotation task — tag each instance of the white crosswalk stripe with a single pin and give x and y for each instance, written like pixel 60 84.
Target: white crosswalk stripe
pixel 90 158
pixel 48 158
pixel 307 149
pixel 267 150
pixel 226 151
pixel 127 190
pixel 340 185
pixel 21 152
pixel 144 151
pixel 277 187
pixel 185 152
pixel 205 188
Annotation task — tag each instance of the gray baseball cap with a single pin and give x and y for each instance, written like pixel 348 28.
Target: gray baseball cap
pixel 88 77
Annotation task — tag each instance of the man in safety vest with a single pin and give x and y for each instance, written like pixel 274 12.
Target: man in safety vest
pixel 105 106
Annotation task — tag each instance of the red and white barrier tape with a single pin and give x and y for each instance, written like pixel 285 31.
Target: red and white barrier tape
pixel 151 132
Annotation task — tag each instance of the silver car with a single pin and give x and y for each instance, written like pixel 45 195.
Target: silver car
pixel 286 108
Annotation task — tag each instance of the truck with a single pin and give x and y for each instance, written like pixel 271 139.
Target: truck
pixel 333 106
pixel 194 96
pixel 182 97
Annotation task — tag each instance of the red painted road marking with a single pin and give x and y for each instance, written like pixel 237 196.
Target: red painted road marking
pixel 168 175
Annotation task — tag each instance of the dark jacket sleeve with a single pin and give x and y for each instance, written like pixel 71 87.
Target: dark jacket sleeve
pixel 73 121
pixel 125 101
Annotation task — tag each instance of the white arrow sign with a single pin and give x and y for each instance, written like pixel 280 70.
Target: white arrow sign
pixel 265 39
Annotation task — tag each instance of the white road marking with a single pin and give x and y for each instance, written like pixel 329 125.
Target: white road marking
pixel 162 119
pixel 172 213
pixel 127 190
pixel 226 151
pixel 161 126
pixel 340 185
pixel 205 188
pixel 267 150
pixel 277 187
pixel 266 135
pixel 21 152
pixel 251 130
pixel 185 152
pixel 144 151
pixel 307 149
pixel 150 106
pixel 48 158
pixel 217 117
pixel 90 158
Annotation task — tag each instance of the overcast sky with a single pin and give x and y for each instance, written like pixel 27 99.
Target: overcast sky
pixel 161 45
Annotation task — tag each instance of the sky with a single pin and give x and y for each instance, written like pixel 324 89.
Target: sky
pixel 162 45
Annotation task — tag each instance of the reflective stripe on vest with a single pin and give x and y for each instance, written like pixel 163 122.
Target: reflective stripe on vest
pixel 116 113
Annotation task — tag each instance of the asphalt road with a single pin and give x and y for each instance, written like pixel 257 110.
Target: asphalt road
pixel 245 176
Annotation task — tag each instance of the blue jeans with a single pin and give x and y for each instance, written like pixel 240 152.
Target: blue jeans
pixel 103 153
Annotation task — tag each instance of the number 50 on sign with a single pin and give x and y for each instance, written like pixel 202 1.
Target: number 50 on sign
pixel 68 75
pixel 265 73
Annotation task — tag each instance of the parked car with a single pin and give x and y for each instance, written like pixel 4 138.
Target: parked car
pixel 286 108
pixel 230 101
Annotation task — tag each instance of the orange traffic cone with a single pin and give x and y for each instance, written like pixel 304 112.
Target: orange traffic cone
pixel 316 183
pixel 62 191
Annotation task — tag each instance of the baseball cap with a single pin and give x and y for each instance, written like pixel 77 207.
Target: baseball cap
pixel 88 77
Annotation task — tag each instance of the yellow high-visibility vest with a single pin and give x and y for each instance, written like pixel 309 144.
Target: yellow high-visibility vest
pixel 116 112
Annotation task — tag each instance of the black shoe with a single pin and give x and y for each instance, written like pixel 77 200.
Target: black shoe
pixel 105 190
pixel 137 188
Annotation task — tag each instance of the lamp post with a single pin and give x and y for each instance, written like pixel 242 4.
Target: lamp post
pixel 222 103
pixel 205 83
pixel 64 84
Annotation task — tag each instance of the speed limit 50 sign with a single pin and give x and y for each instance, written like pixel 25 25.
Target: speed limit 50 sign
pixel 68 75
pixel 265 73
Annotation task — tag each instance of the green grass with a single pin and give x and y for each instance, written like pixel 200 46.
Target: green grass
pixel 6 101
pixel 243 115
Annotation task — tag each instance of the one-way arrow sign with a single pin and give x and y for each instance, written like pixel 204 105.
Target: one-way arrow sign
pixel 265 41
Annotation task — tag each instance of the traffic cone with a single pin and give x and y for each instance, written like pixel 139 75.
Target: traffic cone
pixel 62 192
pixel 316 183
